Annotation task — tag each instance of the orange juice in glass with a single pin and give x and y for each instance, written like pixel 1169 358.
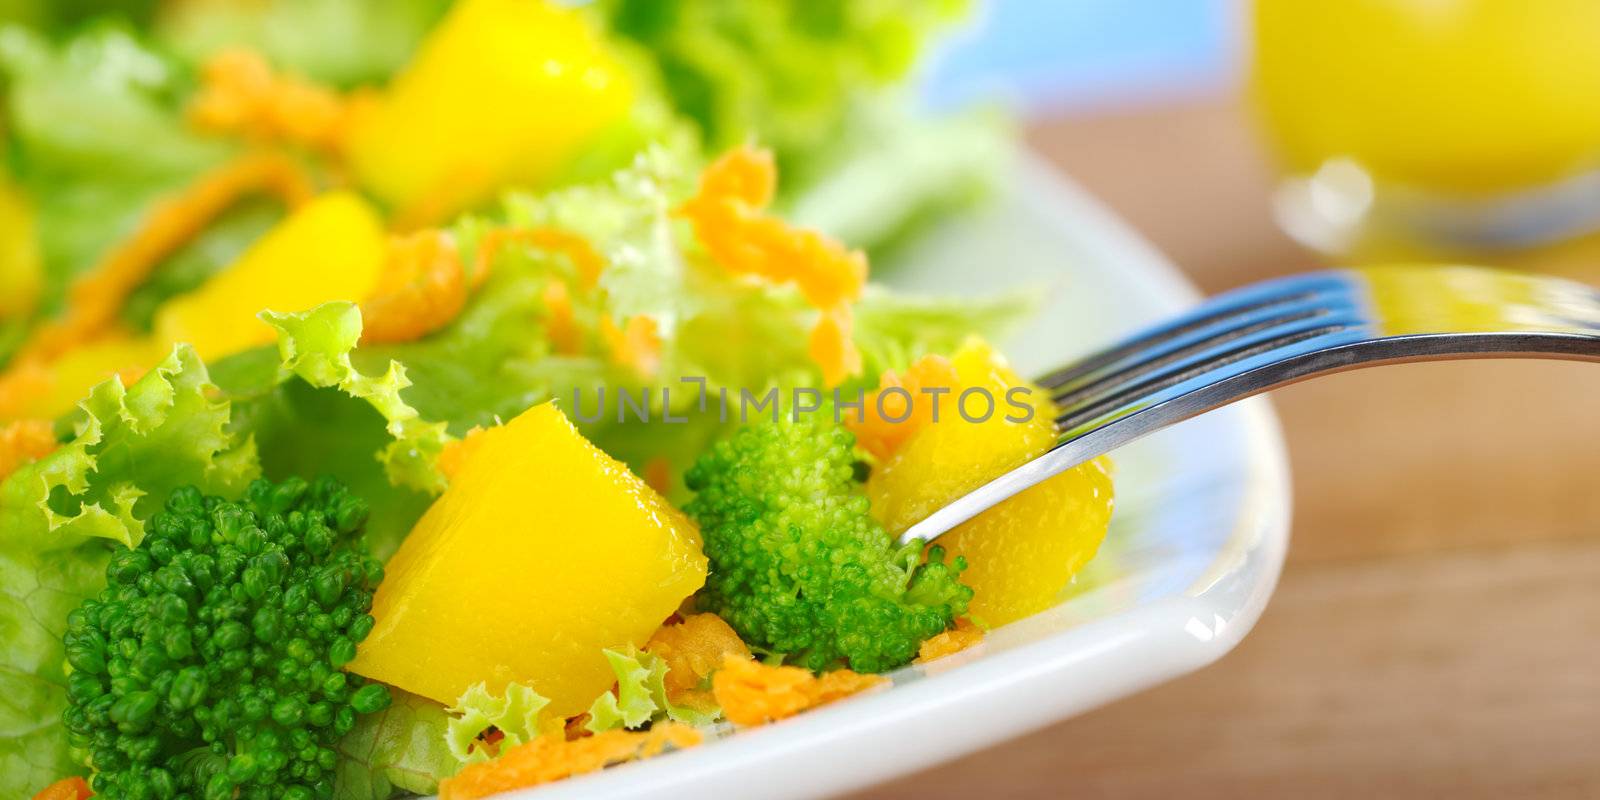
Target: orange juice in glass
pixel 1449 127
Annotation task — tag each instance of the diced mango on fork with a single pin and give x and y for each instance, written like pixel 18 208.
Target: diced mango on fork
pixel 1023 552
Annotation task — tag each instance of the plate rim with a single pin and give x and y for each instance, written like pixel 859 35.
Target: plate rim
pixel 851 746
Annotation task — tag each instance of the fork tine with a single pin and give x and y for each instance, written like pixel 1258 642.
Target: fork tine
pixel 1216 355
pixel 1228 329
pixel 1199 359
pixel 1139 414
pixel 1214 315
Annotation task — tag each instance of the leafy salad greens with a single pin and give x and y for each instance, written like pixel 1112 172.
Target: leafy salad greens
pixel 244 259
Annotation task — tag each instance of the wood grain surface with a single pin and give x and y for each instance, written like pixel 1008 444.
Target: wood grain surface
pixel 1437 629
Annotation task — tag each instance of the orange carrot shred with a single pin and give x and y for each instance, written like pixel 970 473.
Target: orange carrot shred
pixel 727 214
pixel 830 345
pixel 456 453
pixel 962 636
pixel 96 297
pixel 576 248
pixel 636 345
pixel 904 412
pixel 559 325
pixel 658 474
pixel 693 649
pixel 241 96
pixel 421 289
pixel 551 758
pixel 753 693
pixel 23 441
pixel 74 788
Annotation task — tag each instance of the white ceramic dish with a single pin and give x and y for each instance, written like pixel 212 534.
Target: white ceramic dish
pixel 1196 544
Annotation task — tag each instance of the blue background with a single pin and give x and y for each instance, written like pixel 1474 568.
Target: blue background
pixel 1071 54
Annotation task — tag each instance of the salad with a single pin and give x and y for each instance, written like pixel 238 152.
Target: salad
pixel 416 397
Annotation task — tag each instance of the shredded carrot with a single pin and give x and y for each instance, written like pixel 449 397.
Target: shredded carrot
pixel 636 345
pixel 551 758
pixel 241 96
pixel 588 263
pixel 421 289
pixel 95 298
pixel 21 383
pixel 962 636
pixel 727 214
pixel 22 441
pixel 752 693
pixel 658 474
pixel 831 347
pixel 576 727
pixel 906 412
pixel 426 283
pixel 559 324
pixel 693 649
pixel 456 453
pixel 74 788
pixel 841 683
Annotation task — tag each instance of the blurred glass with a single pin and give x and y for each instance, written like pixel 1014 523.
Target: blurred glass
pixel 1433 128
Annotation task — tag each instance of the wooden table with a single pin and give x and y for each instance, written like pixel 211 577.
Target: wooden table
pixel 1437 629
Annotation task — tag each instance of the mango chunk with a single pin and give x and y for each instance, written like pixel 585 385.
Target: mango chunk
pixel 332 248
pixel 1023 552
pixel 21 273
pixel 503 92
pixel 46 391
pixel 543 551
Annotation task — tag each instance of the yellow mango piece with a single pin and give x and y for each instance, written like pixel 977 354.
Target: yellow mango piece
pixel 47 391
pixel 1024 551
pixel 951 456
pixel 543 551
pixel 503 92
pixel 21 274
pixel 332 248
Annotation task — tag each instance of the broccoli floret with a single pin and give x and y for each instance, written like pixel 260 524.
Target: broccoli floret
pixel 211 665
pixel 799 567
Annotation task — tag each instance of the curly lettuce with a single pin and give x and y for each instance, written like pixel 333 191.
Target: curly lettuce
pixel 60 518
pixel 345 43
pixel 784 72
pixel 96 136
pixel 305 410
pixel 491 362
pixel 515 713
pixel 640 696
pixel 316 345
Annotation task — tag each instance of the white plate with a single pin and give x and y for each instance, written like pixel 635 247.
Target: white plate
pixel 1195 548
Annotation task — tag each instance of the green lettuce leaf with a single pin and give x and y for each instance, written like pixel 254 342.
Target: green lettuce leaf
pixel 96 135
pixel 60 518
pixel 401 749
pixel 515 712
pixel 893 330
pixel 631 705
pixel 345 43
pixel 316 346
pixel 640 696
pixel 59 15
pixel 895 172
pixel 304 411
pixel 782 72
pixel 491 363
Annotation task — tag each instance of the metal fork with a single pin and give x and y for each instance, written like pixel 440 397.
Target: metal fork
pixel 1278 332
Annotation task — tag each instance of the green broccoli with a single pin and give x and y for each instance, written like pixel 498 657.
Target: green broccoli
pixel 211 664
pixel 799 567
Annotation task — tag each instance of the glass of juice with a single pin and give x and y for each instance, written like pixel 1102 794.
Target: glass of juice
pixel 1432 128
